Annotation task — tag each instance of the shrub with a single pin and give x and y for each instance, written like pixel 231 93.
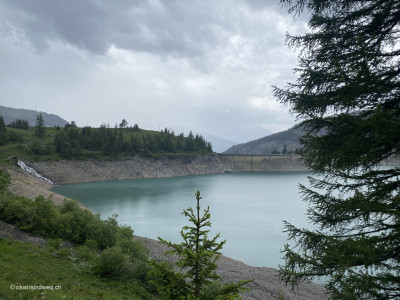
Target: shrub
pixel 69 206
pixel 54 244
pixel 46 218
pixel 134 249
pixel 68 222
pixel 73 225
pixel 138 254
pixel 84 253
pixel 113 263
pixel 16 210
pixel 103 232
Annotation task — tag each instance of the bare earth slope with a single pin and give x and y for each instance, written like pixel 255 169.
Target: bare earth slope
pixel 77 171
pixel 29 186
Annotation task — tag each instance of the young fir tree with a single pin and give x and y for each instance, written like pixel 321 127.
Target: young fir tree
pixel 348 95
pixel 198 254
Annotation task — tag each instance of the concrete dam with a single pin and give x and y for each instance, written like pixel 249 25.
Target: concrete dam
pixel 266 163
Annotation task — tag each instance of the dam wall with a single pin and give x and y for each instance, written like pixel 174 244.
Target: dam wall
pixel 265 163
pixel 280 162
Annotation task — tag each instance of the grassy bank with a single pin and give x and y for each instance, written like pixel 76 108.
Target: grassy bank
pixel 61 275
pixel 101 260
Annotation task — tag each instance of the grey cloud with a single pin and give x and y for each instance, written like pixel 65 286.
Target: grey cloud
pixel 173 27
pixel 264 4
pixel 74 22
pixel 95 26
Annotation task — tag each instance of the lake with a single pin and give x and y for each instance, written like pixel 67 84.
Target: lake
pixel 247 209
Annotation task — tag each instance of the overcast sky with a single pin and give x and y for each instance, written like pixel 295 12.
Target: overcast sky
pixel 202 65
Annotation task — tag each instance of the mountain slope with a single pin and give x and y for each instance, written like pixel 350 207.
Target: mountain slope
pixel 11 114
pixel 282 142
pixel 219 144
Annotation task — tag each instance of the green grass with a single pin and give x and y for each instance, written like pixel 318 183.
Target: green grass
pixel 22 149
pixel 26 264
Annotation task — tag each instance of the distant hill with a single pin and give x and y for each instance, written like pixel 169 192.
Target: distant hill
pixel 219 144
pixel 282 142
pixel 11 114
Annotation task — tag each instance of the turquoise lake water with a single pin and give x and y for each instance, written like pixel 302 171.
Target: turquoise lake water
pixel 247 209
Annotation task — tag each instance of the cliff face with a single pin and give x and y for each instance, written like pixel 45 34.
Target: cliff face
pixel 74 171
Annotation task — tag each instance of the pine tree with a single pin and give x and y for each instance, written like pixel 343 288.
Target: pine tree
pixel 123 124
pixel 348 95
pixel 3 132
pixel 198 255
pixel 39 127
pixel 190 145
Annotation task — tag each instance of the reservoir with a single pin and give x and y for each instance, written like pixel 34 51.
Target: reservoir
pixel 247 209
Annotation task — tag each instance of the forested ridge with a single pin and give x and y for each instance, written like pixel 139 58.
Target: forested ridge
pixel 72 142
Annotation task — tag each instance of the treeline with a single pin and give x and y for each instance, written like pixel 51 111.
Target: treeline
pixel 22 124
pixel 71 141
pixel 6 136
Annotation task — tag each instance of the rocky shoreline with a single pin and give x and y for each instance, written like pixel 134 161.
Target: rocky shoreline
pixel 266 284
pixel 79 171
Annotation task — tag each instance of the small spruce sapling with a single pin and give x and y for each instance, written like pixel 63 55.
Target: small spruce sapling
pixel 197 278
